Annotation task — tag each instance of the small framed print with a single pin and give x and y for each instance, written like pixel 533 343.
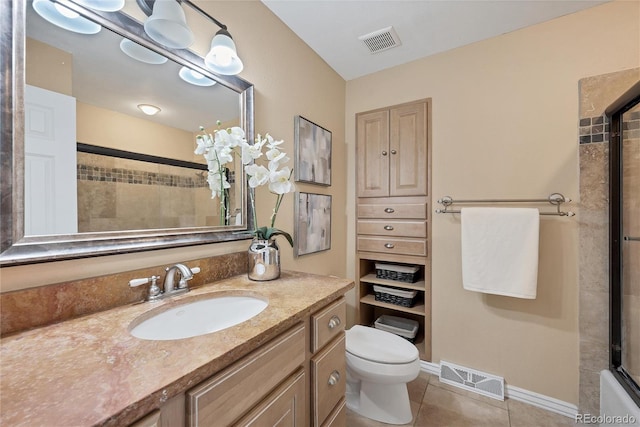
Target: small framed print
pixel 313 223
pixel 312 152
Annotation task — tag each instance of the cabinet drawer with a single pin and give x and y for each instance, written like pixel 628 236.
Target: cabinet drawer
pixel 328 323
pixel 329 377
pixel 227 395
pixel 393 245
pixel 393 210
pixel 285 406
pixel 392 228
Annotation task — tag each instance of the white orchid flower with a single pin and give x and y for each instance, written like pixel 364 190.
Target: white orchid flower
pixel 276 161
pixel 217 182
pixel 279 181
pixel 225 155
pixel 258 175
pixel 250 152
pixel 237 135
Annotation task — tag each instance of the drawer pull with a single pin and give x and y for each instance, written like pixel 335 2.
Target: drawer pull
pixel 388 227
pixel 389 245
pixel 393 151
pixel 384 153
pixel 334 321
pixel 389 210
pixel 334 378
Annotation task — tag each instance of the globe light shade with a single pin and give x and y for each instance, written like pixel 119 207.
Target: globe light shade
pixel 167 25
pixel 222 57
pixel 64 17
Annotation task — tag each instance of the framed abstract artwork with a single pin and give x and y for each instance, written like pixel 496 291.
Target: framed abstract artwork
pixel 312 152
pixel 312 223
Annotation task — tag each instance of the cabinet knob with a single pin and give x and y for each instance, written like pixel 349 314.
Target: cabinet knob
pixel 389 210
pixel 334 378
pixel 388 227
pixel 389 245
pixel 394 152
pixel 384 153
pixel 333 322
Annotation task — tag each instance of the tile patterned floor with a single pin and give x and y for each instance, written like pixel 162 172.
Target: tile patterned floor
pixel 435 404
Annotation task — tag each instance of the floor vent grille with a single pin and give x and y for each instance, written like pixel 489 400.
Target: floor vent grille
pixel 381 40
pixel 470 379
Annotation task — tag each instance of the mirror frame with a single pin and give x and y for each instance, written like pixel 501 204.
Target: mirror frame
pixel 15 247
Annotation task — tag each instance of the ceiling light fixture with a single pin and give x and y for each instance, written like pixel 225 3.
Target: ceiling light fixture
pixel 194 77
pixel 148 109
pixel 167 25
pixel 64 17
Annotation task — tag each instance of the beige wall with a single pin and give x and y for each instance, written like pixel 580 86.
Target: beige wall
pixel 290 79
pixel 505 114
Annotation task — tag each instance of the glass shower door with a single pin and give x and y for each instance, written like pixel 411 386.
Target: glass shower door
pixel 630 252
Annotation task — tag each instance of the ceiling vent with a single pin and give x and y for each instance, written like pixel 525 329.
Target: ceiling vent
pixel 380 40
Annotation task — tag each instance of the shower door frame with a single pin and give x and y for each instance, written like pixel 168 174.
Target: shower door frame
pixel 615 112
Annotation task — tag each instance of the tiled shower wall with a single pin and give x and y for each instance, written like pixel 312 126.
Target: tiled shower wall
pixel 596 94
pixel 122 194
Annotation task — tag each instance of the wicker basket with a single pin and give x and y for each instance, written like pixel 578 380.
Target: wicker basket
pixel 395 296
pixel 400 273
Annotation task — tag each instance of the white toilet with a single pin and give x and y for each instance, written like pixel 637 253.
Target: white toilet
pixel 379 366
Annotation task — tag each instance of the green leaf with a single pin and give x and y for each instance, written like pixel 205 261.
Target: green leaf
pixel 272 231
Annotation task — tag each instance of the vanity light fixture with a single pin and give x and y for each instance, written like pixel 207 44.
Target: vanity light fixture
pixel 103 5
pixel 222 57
pixel 194 77
pixel 167 25
pixel 64 17
pixel 148 109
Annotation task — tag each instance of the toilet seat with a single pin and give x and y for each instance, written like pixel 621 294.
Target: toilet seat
pixel 379 346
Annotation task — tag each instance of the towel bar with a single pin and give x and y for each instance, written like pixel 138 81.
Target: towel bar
pixel 555 199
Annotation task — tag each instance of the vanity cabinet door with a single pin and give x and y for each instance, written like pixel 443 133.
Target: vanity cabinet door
pixel 283 407
pixel 329 377
pixel 228 395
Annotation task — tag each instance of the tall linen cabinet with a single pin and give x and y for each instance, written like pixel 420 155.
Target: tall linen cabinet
pixel 393 165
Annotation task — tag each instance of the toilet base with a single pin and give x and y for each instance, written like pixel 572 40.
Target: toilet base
pixel 388 404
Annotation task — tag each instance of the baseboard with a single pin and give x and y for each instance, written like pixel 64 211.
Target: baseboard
pixel 516 393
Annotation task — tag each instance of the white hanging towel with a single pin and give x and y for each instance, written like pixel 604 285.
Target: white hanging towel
pixel 500 250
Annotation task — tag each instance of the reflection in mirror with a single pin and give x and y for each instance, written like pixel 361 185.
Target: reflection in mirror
pixel 94 174
pixel 132 170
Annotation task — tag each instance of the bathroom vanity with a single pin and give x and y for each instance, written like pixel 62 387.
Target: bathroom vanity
pixel 286 363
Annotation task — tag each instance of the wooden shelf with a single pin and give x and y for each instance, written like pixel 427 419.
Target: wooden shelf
pixel 417 309
pixel 371 278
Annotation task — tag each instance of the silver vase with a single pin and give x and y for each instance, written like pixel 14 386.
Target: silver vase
pixel 264 260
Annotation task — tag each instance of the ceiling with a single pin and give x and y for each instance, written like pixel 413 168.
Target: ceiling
pixel 425 27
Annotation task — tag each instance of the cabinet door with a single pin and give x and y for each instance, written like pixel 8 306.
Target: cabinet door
pixel 283 408
pixel 408 150
pixel 372 153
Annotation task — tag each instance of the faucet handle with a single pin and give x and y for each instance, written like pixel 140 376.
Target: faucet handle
pixel 154 290
pixel 182 284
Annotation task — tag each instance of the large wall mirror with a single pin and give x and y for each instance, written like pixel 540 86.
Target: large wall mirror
pixel 85 171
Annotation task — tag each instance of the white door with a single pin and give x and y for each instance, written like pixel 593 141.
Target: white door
pixel 50 194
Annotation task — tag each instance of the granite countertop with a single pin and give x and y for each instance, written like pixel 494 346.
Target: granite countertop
pixel 91 371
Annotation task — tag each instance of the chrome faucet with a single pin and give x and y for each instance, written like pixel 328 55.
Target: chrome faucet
pixel 170 278
pixel 169 286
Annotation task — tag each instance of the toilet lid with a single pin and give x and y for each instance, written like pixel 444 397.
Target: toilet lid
pixel 379 346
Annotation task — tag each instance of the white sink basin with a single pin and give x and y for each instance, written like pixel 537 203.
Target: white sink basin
pixel 197 317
